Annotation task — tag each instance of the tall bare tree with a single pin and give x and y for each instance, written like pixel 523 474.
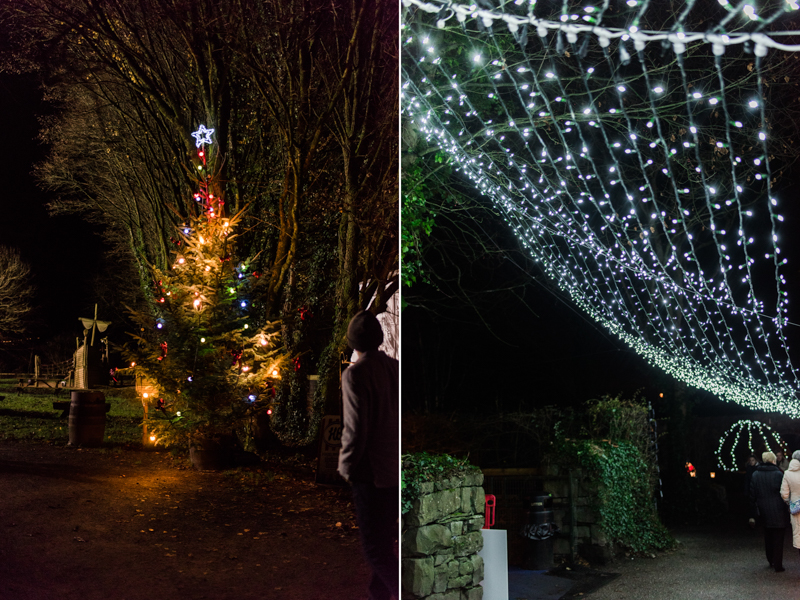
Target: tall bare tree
pixel 16 292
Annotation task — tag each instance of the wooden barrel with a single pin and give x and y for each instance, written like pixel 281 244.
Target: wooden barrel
pixel 87 418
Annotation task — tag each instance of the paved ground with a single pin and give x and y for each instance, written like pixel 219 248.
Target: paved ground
pixel 721 563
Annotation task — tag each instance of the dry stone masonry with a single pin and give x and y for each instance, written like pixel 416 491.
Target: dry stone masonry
pixel 441 539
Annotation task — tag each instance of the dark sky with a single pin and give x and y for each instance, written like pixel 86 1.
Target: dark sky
pixel 62 251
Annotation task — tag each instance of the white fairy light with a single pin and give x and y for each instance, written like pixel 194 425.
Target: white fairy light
pixel 698 317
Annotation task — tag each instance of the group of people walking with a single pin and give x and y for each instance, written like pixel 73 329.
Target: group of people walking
pixel 774 485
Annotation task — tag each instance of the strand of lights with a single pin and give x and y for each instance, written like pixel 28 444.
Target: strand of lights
pixel 734 436
pixel 572 27
pixel 652 226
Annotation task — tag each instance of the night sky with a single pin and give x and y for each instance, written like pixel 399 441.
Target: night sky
pixel 62 251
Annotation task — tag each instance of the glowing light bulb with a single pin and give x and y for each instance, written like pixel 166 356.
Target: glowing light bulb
pixel 133 364
pixel 264 342
pixel 245 368
pixel 275 373
pixel 152 438
pixel 181 260
pixel 196 303
pixel 145 395
pixel 203 340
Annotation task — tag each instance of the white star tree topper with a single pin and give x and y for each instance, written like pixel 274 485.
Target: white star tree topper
pixel 202 136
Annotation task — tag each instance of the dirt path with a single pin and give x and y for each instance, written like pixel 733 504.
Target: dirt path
pixel 131 525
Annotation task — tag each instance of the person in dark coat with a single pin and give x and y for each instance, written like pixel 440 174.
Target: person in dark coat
pixel 370 454
pixel 765 492
pixel 749 468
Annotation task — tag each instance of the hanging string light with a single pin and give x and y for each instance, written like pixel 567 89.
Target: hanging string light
pixel 753 435
pixel 663 230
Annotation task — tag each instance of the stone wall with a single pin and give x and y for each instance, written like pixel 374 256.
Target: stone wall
pixel 591 541
pixel 440 541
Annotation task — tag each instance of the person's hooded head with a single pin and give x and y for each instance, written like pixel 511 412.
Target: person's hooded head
pixel 364 332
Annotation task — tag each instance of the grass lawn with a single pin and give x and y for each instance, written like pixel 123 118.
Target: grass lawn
pixel 32 417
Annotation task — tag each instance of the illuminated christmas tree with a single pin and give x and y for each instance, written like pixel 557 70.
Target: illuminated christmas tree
pixel 210 358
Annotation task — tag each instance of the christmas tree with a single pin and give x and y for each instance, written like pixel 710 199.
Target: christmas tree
pixel 212 360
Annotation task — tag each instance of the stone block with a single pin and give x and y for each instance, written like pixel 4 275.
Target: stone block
pixel 600 555
pixel 473 593
pixel 467 544
pixel 432 507
pixel 453 483
pixel 587 514
pixel 477 569
pixel 456 527
pixel 418 576
pixel 477 501
pixel 459 582
pixel 474 479
pixel 552 471
pixel 465 566
pixel 598 536
pixel 561 545
pixel 558 488
pixel 426 540
pixel 560 518
pixel 452 569
pixel 440 559
pixel 426 487
pixel 440 578
pixel 474 523
pixel 448 595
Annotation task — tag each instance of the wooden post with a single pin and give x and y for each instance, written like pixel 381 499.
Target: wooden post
pixel 145 436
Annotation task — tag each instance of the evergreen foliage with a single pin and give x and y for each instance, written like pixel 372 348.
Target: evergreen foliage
pixel 205 347
pixel 422 467
pixel 617 453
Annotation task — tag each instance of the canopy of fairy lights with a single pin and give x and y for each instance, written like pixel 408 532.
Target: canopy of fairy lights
pixel 634 163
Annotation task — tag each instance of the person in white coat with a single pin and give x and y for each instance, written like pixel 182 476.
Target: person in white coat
pixel 790 491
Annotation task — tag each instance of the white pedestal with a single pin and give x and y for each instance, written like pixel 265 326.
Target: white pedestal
pixel 495 564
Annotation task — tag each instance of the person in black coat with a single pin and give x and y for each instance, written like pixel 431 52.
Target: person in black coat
pixel 765 492
pixel 749 468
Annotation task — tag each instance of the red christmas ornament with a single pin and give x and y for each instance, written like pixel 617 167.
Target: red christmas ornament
pixel 296 361
pixel 163 350
pixel 237 356
pixel 305 313
pixel 256 274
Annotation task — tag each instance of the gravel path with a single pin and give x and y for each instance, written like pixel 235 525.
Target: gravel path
pixel 723 563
